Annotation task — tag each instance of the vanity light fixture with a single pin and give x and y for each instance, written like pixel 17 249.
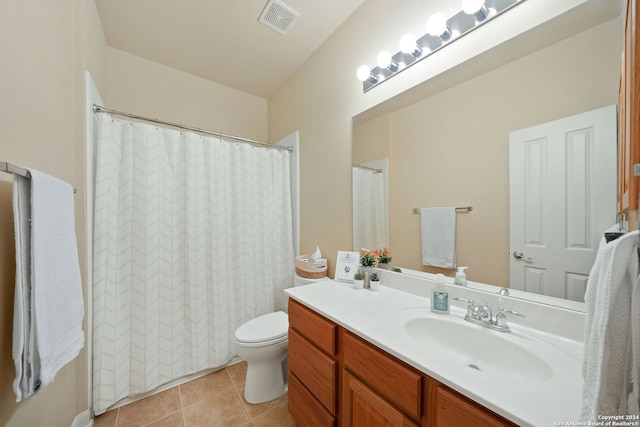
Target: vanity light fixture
pixel 440 32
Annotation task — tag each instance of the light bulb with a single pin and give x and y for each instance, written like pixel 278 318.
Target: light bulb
pixel 364 73
pixel 384 59
pixel 472 6
pixel 408 43
pixel 437 26
pixel 477 8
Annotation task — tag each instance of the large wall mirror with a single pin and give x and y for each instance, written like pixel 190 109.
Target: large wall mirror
pixel 452 148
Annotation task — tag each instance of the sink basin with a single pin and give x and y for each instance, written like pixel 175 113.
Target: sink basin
pixel 475 347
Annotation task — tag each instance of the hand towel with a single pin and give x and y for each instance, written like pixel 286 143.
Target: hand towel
pixel 438 229
pixel 612 336
pixel 22 295
pixel 49 308
pixel 57 287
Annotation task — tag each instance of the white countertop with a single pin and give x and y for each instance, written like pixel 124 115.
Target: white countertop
pixel 374 317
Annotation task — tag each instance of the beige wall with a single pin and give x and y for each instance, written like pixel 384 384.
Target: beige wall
pixel 45 46
pixel 372 140
pixel 451 149
pixel 139 86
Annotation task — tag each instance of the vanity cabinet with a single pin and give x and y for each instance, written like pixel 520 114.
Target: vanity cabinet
pixel 338 379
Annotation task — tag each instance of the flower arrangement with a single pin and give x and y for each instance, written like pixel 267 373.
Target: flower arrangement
pixel 367 258
pixel 383 255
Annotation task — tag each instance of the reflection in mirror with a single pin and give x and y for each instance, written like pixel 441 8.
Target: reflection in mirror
pixel 452 147
pixel 370 218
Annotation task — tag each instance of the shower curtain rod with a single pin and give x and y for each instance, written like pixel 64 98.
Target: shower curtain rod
pixel 368 168
pixel 100 109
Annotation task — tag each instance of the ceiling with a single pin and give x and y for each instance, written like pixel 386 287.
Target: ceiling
pixel 222 40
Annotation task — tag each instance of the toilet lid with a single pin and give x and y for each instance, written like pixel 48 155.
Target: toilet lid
pixel 264 328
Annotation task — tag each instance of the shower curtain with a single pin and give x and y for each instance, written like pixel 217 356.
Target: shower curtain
pixel 192 237
pixel 369 209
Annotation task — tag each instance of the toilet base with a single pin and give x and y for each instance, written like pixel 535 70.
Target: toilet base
pixel 264 383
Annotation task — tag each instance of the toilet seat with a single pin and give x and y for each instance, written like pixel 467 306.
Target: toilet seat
pixel 264 330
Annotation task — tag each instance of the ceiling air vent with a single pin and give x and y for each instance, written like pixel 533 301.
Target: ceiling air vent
pixel 278 16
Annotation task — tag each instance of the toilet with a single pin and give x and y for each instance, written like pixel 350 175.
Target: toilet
pixel 263 343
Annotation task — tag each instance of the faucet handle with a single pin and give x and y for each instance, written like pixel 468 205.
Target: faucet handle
pixel 501 316
pixel 471 307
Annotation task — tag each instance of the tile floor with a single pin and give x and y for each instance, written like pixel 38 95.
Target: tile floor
pixel 213 400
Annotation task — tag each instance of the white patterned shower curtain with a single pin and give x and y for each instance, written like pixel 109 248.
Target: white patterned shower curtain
pixel 369 209
pixel 192 237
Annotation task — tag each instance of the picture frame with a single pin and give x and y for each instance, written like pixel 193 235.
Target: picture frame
pixel 347 263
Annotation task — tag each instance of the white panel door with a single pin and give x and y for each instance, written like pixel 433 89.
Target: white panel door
pixel 562 198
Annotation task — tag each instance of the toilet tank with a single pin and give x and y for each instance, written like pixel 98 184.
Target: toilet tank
pixel 301 281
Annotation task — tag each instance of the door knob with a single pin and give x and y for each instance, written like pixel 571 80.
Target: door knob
pixel 520 255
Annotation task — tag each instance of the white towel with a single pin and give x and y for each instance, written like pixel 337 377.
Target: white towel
pixel 22 297
pixel 438 228
pixel 612 331
pixel 56 306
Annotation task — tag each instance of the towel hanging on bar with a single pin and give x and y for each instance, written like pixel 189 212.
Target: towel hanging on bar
pixel 17 170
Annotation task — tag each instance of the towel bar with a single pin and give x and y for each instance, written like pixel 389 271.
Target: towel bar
pixel 17 170
pixel 458 209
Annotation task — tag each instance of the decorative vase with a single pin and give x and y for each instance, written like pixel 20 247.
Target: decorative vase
pixel 358 284
pixel 385 266
pixel 374 285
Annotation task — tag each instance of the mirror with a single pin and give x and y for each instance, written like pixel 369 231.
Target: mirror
pixel 451 148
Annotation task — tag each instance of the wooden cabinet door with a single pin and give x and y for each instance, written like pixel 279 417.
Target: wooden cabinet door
pixel 450 409
pixel 364 408
pixel 629 114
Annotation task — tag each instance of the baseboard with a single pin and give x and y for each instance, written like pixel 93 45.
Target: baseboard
pixel 83 419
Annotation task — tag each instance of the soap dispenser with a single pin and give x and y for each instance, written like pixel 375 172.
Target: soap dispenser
pixel 440 296
pixel 461 277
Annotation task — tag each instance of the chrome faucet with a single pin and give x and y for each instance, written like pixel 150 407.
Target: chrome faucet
pixel 483 315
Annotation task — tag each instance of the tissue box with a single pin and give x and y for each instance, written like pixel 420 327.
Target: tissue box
pixel 310 269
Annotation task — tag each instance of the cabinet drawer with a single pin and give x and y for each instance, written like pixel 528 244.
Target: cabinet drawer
pixel 391 378
pixel 314 327
pixel 317 371
pixel 451 409
pixel 304 408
